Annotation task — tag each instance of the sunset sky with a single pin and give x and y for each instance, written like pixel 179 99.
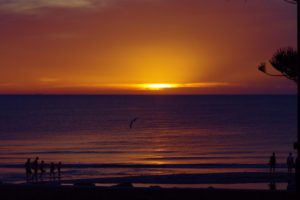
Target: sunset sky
pixel 143 46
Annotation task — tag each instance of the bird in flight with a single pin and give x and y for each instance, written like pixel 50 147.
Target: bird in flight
pixel 132 121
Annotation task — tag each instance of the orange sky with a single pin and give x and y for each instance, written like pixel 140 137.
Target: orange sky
pixel 117 46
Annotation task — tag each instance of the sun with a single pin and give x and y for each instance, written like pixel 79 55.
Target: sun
pixel 158 86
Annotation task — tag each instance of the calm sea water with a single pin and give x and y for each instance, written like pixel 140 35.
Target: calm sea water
pixel 91 136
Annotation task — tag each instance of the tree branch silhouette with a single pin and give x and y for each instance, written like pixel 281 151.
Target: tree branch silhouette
pixel 284 60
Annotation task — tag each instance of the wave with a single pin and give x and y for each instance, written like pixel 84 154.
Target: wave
pixel 199 158
pixel 188 166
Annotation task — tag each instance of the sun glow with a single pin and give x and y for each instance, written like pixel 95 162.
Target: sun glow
pixel 158 86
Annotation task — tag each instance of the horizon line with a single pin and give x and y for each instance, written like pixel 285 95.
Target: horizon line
pixel 94 94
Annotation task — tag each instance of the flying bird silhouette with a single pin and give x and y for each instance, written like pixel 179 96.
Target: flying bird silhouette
pixel 132 121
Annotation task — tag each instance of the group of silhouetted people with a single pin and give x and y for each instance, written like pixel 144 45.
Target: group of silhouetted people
pixel 289 162
pixel 35 170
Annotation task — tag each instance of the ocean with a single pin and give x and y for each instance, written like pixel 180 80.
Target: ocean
pixel 92 137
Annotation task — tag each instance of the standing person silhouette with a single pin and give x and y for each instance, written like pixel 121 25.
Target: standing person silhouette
pixel 58 169
pixel 272 163
pixel 290 163
pixel 35 167
pixel 42 169
pixel 52 170
pixel 28 169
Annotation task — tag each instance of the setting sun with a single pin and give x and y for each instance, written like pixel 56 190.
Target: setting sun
pixel 159 86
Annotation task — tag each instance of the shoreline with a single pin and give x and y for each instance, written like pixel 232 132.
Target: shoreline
pixel 133 193
pixel 180 178
pixel 158 166
pixel 205 178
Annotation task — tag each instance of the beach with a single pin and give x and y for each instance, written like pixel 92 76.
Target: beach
pixel 90 192
pixel 177 186
pixel 234 185
pixel 178 143
pixel 211 178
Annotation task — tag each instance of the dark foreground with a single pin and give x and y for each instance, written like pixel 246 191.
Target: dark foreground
pixel 45 192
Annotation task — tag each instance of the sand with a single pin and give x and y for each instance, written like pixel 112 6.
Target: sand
pixel 213 178
pixel 86 189
pixel 45 192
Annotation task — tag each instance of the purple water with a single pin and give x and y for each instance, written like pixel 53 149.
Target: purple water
pixel 184 134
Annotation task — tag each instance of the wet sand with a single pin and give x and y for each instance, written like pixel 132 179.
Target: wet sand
pixel 45 192
pixel 86 189
pixel 208 178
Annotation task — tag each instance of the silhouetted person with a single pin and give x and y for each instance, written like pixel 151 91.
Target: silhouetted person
pixel 28 169
pixel 52 170
pixel 35 167
pixel 272 185
pixel 290 163
pixel 59 169
pixel 272 163
pixel 42 169
pixel 291 185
